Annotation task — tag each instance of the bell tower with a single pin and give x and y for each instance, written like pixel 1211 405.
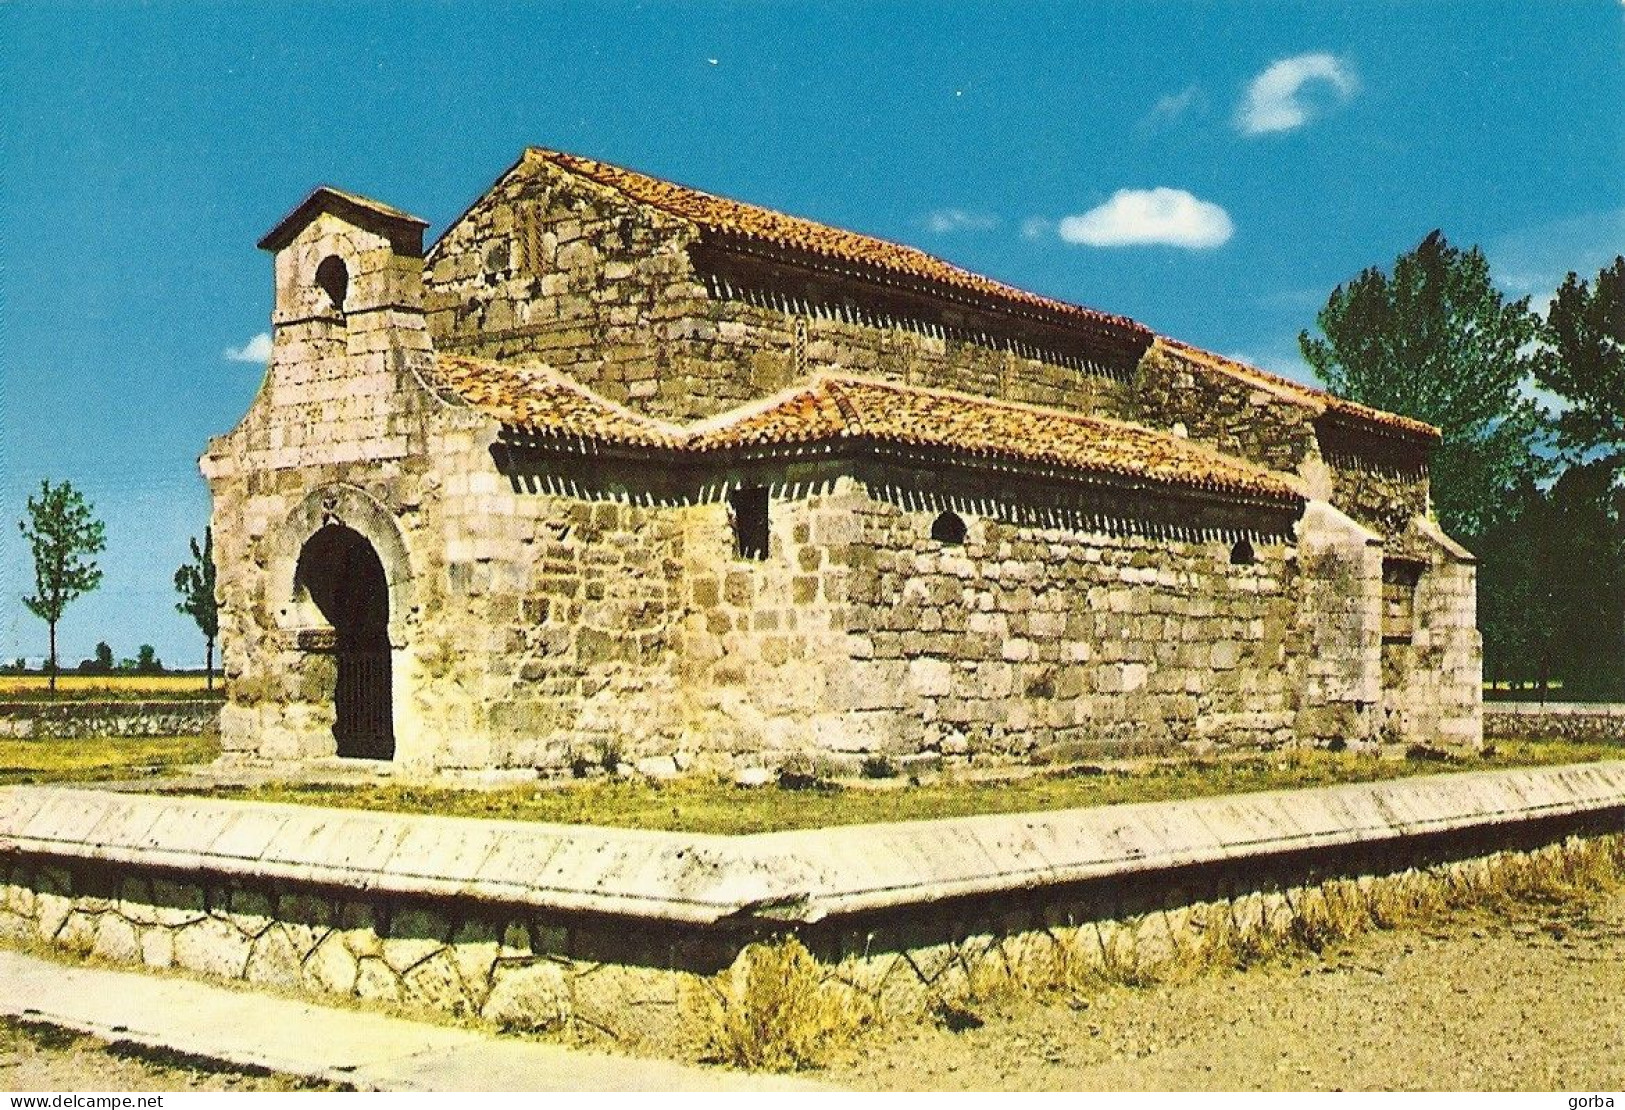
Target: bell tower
pixel 349 278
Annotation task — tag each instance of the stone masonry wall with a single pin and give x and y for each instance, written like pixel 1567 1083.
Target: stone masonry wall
pixel 1228 414
pixel 1058 631
pixel 1384 499
pixel 634 631
pixel 1432 688
pixel 649 987
pixel 554 268
pixel 1577 721
pixel 33 720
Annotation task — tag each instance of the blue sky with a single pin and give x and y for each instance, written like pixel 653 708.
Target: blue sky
pixel 1212 170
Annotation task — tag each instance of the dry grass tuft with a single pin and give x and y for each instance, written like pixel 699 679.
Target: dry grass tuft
pixel 778 1008
pixel 1076 962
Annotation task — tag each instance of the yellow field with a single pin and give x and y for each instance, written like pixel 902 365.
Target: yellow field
pixel 89 684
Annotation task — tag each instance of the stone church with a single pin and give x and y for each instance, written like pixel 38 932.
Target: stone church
pixel 618 471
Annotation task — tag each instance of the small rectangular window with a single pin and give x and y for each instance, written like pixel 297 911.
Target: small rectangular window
pixel 1399 579
pixel 748 508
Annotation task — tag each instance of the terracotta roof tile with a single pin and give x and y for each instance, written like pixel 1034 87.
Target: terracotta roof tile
pixel 540 399
pixel 835 408
pixel 755 222
pixel 1318 400
pixel 854 408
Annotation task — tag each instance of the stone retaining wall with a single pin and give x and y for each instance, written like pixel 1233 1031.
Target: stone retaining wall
pixel 1579 721
pixel 66 720
pixel 619 932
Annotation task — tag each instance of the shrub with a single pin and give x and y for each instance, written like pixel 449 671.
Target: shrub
pixel 776 1008
pixel 877 766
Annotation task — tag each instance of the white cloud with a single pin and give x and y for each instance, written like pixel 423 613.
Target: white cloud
pixel 257 350
pixel 1035 227
pixel 1144 216
pixel 1276 101
pixel 945 221
pixel 1168 109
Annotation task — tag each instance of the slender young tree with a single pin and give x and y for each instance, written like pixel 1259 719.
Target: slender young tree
pixel 195 583
pixel 63 533
pixel 1437 342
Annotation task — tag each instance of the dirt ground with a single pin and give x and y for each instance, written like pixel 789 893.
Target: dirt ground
pixel 44 1060
pixel 1535 1001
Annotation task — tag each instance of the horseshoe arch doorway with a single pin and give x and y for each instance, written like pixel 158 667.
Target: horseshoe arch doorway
pixel 344 578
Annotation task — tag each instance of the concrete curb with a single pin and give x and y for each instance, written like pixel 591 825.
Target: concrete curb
pixel 802 876
pixel 371 1052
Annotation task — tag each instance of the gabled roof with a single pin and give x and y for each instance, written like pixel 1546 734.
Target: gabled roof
pixel 402 229
pixel 753 222
pixel 858 409
pixel 540 399
pixel 835 410
pixel 1318 401
pixel 733 218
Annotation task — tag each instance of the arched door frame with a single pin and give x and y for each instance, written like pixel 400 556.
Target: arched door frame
pixel 297 618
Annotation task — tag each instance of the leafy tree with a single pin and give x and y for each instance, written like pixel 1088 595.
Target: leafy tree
pixel 102 663
pixel 1587 580
pixel 147 661
pixel 1585 362
pixel 1516 615
pixel 1437 342
pixel 195 582
pixel 63 534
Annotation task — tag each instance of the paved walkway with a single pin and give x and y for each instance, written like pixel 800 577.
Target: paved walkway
pixel 366 1050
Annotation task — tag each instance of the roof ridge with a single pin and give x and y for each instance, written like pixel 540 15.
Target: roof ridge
pixel 841 386
pixel 848 408
pixel 1314 398
pixel 1032 407
pixel 552 376
pixel 705 425
pixel 718 213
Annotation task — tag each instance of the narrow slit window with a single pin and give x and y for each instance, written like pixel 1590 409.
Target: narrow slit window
pixel 948 528
pixel 748 508
pixel 1399 581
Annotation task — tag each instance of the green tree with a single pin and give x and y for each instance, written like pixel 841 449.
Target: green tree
pixel 1516 610
pixel 1585 362
pixel 195 582
pixel 62 533
pixel 102 663
pixel 147 661
pixel 1437 342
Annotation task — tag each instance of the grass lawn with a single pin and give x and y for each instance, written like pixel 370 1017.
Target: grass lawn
pixel 108 687
pixel 711 806
pixel 99 759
